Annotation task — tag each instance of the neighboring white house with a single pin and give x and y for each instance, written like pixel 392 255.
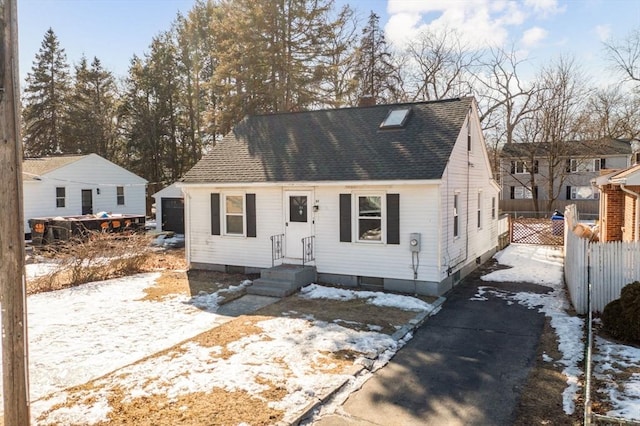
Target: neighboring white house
pixel 396 196
pixel 73 185
pixel 170 209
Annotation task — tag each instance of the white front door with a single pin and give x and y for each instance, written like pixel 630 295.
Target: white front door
pixel 298 221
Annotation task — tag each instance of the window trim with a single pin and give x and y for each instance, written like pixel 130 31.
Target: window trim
pixel 224 212
pixel 493 208
pixel 595 194
pixel 479 210
pixel 525 193
pixel 456 214
pixel 120 197
pixel 587 165
pixel 356 216
pixel 62 198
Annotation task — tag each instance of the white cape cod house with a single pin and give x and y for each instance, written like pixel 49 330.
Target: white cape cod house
pixel 399 197
pixel 73 185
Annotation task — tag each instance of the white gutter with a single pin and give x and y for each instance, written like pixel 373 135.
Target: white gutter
pixel 637 218
pixel 309 184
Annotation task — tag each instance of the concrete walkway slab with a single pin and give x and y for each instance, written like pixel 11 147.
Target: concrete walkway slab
pixel 245 305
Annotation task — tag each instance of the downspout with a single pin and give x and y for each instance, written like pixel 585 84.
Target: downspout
pixel 636 226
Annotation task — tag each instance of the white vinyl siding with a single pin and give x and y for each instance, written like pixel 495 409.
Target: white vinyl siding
pixel 91 172
pixel 473 170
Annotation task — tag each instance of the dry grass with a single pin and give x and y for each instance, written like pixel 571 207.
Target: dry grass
pixel 102 257
pixel 541 399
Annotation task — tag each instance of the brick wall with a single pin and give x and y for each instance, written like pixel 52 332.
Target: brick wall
pixel 612 219
pixel 629 214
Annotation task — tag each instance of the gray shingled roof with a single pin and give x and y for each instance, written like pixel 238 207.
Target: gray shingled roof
pixel 33 167
pixel 336 145
pixel 602 147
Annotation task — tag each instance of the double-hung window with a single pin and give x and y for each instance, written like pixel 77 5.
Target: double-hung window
pixel 60 196
pixel 582 193
pixel 521 193
pixel 456 218
pixel 479 212
pixel 370 217
pixel 120 195
pixel 234 214
pixel 521 167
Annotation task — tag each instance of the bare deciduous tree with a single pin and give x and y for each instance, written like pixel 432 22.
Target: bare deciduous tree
pixel 555 125
pixel 440 65
pixel 625 55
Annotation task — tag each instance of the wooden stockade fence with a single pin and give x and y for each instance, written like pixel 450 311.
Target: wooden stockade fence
pixel 537 231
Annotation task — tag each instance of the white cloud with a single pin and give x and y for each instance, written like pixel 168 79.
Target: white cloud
pixel 603 32
pixel 401 27
pixel 533 36
pixel 480 23
pixel 545 7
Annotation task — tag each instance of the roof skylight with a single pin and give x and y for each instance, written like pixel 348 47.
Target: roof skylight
pixel 396 118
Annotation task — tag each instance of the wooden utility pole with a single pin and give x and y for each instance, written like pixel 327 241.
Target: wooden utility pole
pixel 12 279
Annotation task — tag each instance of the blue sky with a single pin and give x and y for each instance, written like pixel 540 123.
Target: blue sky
pixel 115 30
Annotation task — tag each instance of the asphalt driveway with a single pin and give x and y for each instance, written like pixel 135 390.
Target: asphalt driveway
pixel 465 366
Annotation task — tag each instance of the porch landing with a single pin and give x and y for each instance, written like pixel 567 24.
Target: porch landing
pixel 282 280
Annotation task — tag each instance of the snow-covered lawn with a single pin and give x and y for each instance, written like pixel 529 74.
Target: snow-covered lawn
pixel 106 333
pixel 107 330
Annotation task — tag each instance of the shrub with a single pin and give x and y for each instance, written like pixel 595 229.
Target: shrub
pixel 100 257
pixel 621 317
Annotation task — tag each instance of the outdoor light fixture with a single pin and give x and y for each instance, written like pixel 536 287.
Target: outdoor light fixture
pixel 98 191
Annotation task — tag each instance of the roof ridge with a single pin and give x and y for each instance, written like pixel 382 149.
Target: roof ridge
pixel 349 108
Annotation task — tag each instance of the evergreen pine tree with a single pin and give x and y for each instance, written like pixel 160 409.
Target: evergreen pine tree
pixel 92 110
pixel 45 100
pixel 375 73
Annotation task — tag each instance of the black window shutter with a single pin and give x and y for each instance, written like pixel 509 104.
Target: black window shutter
pixel 393 218
pixel 568 165
pixel 251 215
pixel 345 218
pixel 568 195
pixel 513 167
pixel 535 192
pixel 512 196
pixel 215 214
pixel 603 163
pixel 535 166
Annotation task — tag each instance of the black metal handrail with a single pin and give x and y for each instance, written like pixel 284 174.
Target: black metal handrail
pixel 277 248
pixel 308 254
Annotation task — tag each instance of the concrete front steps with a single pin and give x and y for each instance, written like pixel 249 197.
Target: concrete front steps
pixel 282 280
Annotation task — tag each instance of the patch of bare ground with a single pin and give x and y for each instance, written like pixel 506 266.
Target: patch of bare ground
pixel 356 314
pixel 541 398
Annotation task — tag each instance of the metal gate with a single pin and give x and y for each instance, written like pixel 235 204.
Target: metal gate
pixel 537 231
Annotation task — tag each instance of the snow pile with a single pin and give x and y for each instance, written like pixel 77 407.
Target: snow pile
pixel 408 303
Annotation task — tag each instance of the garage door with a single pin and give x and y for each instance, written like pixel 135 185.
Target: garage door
pixel 173 215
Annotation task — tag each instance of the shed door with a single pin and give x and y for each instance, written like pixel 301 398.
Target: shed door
pixel 87 201
pixel 298 222
pixel 173 215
